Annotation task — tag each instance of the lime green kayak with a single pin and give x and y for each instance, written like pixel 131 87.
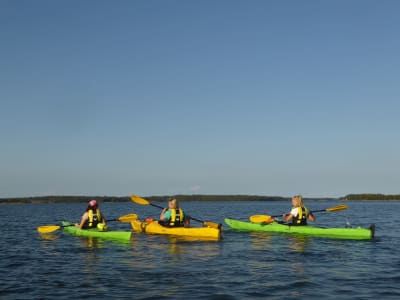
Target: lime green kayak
pixel 338 233
pixel 70 228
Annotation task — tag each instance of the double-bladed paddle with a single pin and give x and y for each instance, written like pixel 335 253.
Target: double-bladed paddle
pixel 51 228
pixel 141 201
pixel 269 219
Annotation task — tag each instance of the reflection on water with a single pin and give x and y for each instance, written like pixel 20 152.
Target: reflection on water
pixel 265 240
pixel 260 240
pixel 180 246
pixel 298 243
pixel 91 242
pixel 48 236
pixel 288 249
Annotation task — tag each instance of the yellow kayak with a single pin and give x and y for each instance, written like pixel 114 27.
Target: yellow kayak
pixel 153 227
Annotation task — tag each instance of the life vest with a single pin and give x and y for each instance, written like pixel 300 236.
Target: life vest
pixel 302 215
pixel 176 218
pixel 94 218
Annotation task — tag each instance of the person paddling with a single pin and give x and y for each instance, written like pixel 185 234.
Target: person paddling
pixel 173 215
pixel 299 213
pixel 92 218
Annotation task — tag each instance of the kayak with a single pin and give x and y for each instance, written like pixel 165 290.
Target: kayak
pixel 70 228
pixel 339 233
pixel 153 227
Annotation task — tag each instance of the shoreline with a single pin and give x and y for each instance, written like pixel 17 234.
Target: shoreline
pixel 183 198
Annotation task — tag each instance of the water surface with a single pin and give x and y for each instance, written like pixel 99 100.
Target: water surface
pixel 242 266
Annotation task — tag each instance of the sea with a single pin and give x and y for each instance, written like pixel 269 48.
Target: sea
pixel 243 265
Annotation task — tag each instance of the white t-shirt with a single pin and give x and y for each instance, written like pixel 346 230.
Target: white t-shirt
pixel 295 211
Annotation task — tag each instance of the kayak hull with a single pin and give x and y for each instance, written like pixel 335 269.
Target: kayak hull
pixel 111 235
pixel 338 233
pixel 153 227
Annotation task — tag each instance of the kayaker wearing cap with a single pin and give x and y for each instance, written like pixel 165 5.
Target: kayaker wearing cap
pixel 299 213
pixel 173 216
pixel 92 217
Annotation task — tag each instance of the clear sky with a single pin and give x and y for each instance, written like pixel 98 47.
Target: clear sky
pixel 199 97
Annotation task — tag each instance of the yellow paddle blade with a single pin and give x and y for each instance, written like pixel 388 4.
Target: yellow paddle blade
pixel 128 218
pixel 260 219
pixel 48 228
pixel 337 208
pixel 139 200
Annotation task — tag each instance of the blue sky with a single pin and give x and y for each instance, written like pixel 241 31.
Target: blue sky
pixel 199 97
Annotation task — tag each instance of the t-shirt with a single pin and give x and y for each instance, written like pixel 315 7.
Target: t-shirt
pixel 295 211
pixel 167 214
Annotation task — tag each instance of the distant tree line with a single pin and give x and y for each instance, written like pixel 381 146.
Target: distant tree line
pixel 62 199
pixel 103 199
pixel 217 198
pixel 370 197
pixel 84 199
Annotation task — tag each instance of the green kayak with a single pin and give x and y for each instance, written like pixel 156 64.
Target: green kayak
pixel 70 228
pixel 338 233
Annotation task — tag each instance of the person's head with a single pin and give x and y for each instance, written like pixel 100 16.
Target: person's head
pixel 173 203
pixel 92 204
pixel 297 201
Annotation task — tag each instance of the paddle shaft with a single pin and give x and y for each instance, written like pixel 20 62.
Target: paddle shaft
pixel 311 212
pixel 51 228
pixel 73 224
pixel 112 220
pixel 155 205
pixel 141 201
pixel 269 219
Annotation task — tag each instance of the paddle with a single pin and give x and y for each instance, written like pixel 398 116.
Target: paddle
pixel 51 228
pixel 268 219
pixel 142 201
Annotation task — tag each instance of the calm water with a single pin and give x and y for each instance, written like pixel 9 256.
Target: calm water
pixel 241 266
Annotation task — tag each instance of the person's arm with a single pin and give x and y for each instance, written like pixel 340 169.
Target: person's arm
pixel 162 215
pixel 103 220
pixel 311 217
pixel 85 216
pixel 186 220
pixel 287 217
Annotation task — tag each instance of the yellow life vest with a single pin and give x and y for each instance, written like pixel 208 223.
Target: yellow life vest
pixel 302 215
pixel 177 217
pixel 94 218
